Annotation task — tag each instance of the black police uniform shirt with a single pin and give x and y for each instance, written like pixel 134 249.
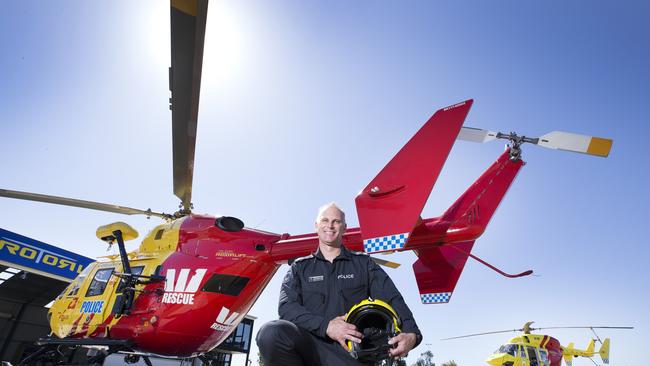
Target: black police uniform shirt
pixel 316 291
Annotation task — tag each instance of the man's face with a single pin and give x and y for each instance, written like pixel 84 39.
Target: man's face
pixel 330 227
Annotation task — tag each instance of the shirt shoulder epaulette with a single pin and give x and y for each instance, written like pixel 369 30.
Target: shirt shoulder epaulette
pixel 300 259
pixel 359 253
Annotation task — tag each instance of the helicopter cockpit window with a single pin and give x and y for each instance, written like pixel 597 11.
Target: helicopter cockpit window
pixel 99 282
pixel 76 284
pixel 225 284
pixel 510 349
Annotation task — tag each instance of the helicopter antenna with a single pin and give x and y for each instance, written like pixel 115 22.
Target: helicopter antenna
pixel 497 270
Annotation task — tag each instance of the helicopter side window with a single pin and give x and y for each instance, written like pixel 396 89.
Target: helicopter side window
pixel 134 270
pixel 225 284
pixel 76 284
pixel 543 357
pixel 99 282
pixel 510 349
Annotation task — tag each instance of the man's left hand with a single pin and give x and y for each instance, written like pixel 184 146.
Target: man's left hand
pixel 404 341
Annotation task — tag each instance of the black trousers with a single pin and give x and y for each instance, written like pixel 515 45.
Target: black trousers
pixel 282 343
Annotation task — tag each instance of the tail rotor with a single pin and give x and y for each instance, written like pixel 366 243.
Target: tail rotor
pixel 556 140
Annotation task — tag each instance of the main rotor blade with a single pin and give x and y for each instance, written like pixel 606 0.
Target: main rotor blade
pixel 188 19
pixel 476 135
pixel 78 203
pixel 480 334
pixel 531 328
pixel 559 140
pixel 385 263
pixel 583 327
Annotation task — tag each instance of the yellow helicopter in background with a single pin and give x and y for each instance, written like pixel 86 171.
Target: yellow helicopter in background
pixel 543 350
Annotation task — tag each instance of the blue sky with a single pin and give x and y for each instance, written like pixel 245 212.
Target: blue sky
pixel 304 102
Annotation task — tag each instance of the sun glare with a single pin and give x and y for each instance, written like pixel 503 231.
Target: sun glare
pixel 223 52
pixel 224 44
pixel 157 35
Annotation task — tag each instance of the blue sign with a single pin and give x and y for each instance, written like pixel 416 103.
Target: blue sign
pixel 32 255
pixel 94 307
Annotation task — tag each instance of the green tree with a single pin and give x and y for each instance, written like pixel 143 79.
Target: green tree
pixel 450 363
pixel 425 359
pixel 260 361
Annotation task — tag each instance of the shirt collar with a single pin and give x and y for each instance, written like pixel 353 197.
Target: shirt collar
pixel 345 254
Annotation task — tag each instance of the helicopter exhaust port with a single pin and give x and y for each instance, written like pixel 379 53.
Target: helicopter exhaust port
pixel 229 223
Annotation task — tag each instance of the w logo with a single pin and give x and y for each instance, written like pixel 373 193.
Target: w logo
pixel 180 284
pixel 225 319
pixel 178 290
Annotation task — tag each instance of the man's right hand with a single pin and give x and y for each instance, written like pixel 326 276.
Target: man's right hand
pixel 339 330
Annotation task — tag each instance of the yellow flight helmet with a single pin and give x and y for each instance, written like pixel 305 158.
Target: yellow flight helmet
pixel 378 322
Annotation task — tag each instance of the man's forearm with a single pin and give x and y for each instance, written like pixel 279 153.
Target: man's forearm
pixel 298 315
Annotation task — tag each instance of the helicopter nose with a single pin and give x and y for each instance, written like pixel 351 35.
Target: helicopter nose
pixel 496 360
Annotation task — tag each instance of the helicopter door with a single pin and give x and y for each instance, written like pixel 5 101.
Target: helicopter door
pixel 532 356
pixel 521 354
pixel 95 299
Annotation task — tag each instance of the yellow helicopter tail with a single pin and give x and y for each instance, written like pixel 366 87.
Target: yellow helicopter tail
pixel 591 347
pixel 604 351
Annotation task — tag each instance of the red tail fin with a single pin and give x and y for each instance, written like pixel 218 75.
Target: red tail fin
pixel 390 206
pixel 437 271
pixel 473 210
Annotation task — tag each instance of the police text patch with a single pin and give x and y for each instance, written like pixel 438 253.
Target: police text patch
pixel 315 278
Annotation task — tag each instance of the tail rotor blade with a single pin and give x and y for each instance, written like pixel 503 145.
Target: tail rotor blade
pixel 476 135
pixel 577 143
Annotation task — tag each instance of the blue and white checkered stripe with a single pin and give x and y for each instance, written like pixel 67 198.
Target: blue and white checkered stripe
pixel 435 298
pixel 384 243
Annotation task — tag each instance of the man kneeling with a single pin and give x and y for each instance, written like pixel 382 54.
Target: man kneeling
pixel 317 292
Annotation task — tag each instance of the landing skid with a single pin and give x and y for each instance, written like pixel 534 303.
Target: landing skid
pixel 51 350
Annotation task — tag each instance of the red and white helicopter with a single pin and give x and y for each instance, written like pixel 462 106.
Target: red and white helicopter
pixel 194 277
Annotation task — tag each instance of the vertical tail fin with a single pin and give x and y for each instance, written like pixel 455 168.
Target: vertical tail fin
pixel 604 351
pixel 591 346
pixel 474 208
pixel 437 271
pixel 389 207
